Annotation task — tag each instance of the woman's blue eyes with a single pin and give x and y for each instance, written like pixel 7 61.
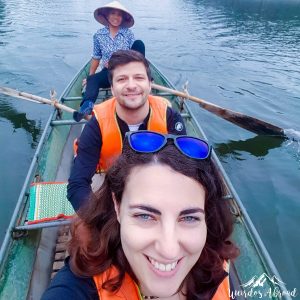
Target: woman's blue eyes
pixel 190 219
pixel 186 219
pixel 144 217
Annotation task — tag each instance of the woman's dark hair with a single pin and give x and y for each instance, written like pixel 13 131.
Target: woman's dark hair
pixel 96 245
pixel 124 57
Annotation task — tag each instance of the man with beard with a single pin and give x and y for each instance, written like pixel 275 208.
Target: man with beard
pixel 131 108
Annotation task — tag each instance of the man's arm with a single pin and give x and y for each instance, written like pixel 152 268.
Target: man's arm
pixel 85 163
pixel 66 285
pixel 175 122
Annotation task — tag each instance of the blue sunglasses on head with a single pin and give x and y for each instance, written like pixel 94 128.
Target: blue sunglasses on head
pixel 145 141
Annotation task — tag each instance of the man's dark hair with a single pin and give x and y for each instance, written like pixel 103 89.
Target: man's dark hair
pixel 124 57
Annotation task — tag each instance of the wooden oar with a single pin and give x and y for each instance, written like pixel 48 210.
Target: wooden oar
pixel 33 98
pixel 249 123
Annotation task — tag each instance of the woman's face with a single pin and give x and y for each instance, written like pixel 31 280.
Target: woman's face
pixel 115 17
pixel 163 228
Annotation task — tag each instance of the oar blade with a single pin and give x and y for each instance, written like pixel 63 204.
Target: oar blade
pixel 247 122
pixel 255 125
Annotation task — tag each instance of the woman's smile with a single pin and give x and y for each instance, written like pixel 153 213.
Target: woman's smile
pixel 163 269
pixel 159 219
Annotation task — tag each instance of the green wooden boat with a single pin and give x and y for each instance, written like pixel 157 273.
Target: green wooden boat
pixel 27 252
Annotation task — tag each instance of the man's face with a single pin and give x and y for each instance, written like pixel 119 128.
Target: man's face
pixel 130 85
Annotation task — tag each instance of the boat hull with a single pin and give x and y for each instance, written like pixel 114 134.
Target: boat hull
pixel 25 266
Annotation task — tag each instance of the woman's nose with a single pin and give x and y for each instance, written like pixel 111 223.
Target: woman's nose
pixel 168 243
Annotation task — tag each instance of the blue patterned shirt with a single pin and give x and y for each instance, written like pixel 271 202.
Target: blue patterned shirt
pixel 105 45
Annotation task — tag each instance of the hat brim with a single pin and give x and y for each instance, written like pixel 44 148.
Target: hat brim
pixel 101 13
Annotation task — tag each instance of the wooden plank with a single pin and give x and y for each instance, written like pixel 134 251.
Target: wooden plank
pixel 58 265
pixel 61 252
pixel 63 239
pixel 59 256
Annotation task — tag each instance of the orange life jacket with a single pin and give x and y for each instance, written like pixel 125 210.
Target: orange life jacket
pixel 130 291
pixel 112 143
pixel 222 292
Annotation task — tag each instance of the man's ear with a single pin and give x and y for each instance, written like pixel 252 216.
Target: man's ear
pixel 116 206
pixel 150 87
pixel 112 90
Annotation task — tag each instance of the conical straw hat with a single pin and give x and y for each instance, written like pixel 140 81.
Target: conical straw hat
pixel 100 14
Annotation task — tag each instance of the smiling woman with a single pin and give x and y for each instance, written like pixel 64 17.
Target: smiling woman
pixel 159 217
pixel 158 228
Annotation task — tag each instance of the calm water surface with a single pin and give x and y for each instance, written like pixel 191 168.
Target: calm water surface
pixel 243 55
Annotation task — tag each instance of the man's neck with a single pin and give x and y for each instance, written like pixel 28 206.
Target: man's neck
pixel 132 117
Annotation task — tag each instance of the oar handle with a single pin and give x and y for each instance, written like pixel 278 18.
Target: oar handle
pixel 47 101
pixel 30 97
pixel 200 101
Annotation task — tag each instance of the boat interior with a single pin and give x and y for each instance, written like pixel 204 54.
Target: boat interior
pixel 37 252
pixel 52 249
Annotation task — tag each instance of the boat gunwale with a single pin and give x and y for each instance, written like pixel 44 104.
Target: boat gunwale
pixel 22 199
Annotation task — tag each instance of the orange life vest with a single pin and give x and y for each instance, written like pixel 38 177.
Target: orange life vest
pixel 222 292
pixel 130 291
pixel 105 114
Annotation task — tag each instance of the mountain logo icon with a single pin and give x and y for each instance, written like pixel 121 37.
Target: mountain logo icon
pixel 256 281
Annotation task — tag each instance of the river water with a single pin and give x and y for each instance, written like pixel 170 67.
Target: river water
pixel 242 55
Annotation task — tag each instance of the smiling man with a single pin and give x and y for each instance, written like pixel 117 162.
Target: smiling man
pixel 131 108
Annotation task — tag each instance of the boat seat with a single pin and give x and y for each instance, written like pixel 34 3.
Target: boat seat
pixel 48 206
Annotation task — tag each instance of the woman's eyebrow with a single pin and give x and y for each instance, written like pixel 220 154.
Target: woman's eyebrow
pixel 157 212
pixel 191 211
pixel 147 208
